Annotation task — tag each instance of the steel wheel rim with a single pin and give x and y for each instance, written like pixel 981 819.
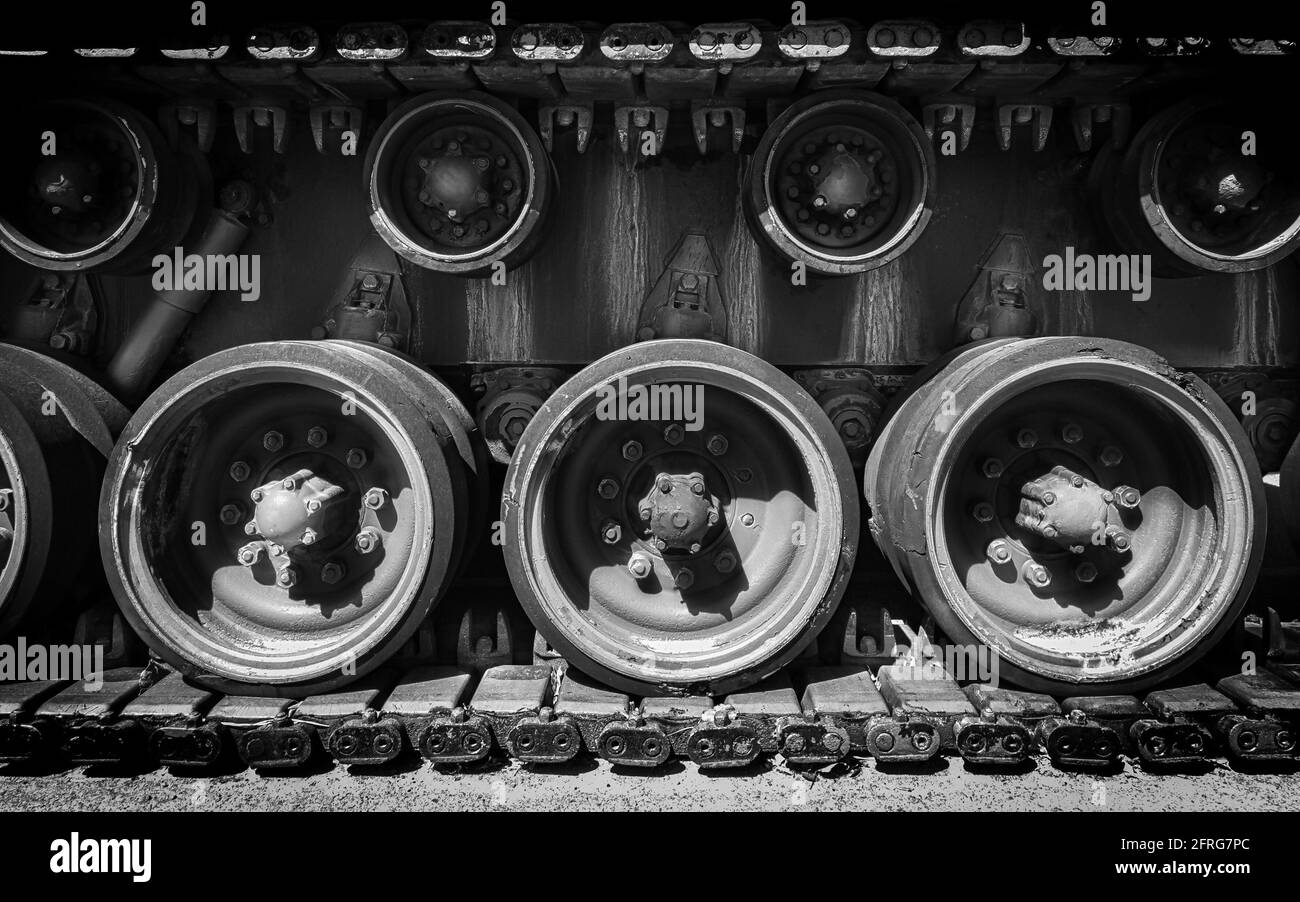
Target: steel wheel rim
pixel 883 126
pixel 141 142
pixel 1161 143
pixel 28 514
pixel 1225 575
pixel 390 168
pixel 635 654
pixel 388 618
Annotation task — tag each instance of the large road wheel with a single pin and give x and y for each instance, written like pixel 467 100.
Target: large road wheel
pixel 669 549
pixel 1088 513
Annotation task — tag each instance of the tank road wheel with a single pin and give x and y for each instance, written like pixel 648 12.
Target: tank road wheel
pixel 280 517
pixel 1185 192
pixel 57 428
pixel 842 181
pixel 664 547
pixel 456 183
pixel 110 195
pixel 1091 515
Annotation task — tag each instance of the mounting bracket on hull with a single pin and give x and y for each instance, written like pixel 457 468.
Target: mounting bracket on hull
pixel 996 304
pixel 373 306
pixel 686 300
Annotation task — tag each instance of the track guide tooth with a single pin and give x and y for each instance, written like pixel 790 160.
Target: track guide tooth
pixel 926 692
pixel 846 697
pixel 92 729
pixel 23 737
pixel 350 724
pixel 431 704
pixel 173 715
pixel 1267 729
pixel 265 735
pixel 515 699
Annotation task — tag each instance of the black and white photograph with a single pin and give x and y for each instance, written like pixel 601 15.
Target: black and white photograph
pixel 532 435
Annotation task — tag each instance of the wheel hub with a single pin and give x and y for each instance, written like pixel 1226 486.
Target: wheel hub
pixel 679 511
pixel 295 511
pixel 1073 511
pixel 838 186
pixel 455 183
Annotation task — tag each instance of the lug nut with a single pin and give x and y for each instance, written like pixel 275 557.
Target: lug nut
pixel 317 436
pixel 725 562
pixel 272 441
pixel 697 488
pixel 664 484
pixel 1026 438
pixel 983 512
pixel 250 554
pixel 287 578
pixel 231 514
pixel 611 532
pixel 607 488
pixel 309 537
pixel 992 467
pixel 718 444
pixel 639 566
pixel 367 540
pixel 685 578
pixel 375 499
pixel 250 528
pixel 632 450
pixel 240 471
pixel 332 573
pixel 356 458
pixel 1036 575
pixel 256 495
pixel 1127 497
pixel 674 433
pixel 1086 572
pixel 998 552
pixel 290 483
pixel 1071 433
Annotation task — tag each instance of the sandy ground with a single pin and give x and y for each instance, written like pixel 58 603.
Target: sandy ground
pixel 594 785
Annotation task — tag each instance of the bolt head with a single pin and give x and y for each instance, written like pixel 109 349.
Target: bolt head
pixel 607 488
pixel 1026 438
pixel 1071 433
pixel 331 573
pixel 685 578
pixel 367 540
pixel 375 499
pixel 998 552
pixel 287 578
pixel 250 528
pixel 983 512
pixel 664 484
pixel 718 444
pixel 1086 572
pixel 273 441
pixel 356 458
pixel 309 537
pixel 1127 497
pixel 639 566
pixel 1036 575
pixel 992 468
pixel 747 519
pixel 674 433
pixel 249 554
pixel 611 532
pixel 230 514
pixel 632 450
pixel 725 562
pixel 240 471
pixel 256 495
pixel 317 436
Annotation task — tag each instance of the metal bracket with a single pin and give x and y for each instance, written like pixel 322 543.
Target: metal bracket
pixel 720 742
pixel 544 739
pixel 103 625
pixel 852 402
pixel 60 312
pixel 634 743
pixel 459 738
pixel 1077 741
pixel 191 745
pixel 639 118
pixel 368 740
pixel 373 306
pixel 511 397
pixel 996 304
pixel 686 300
pixel 337 117
pixel 1085 116
pixel 711 113
pixel 278 745
pixel 992 740
pixel 902 739
pixel 261 115
pixel 811 741
pixel 945 114
pixel 566 114
pixel 1038 116
pixel 193 113
pixel 485 638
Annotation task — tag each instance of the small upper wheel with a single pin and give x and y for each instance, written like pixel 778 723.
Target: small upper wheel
pixel 457 183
